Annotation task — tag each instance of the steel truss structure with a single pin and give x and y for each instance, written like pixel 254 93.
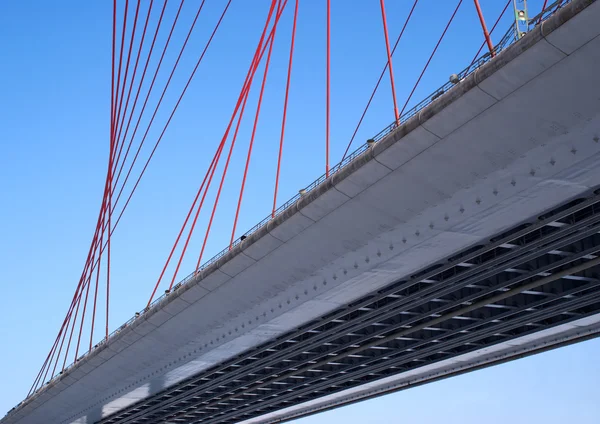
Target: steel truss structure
pixel 541 274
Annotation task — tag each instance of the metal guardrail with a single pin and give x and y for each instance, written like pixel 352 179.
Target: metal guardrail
pixel 509 38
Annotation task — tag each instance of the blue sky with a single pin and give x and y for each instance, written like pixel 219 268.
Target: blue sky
pixel 54 111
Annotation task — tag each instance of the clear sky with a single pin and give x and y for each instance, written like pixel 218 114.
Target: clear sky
pixel 54 116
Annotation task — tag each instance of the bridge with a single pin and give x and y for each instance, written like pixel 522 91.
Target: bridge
pixel 465 234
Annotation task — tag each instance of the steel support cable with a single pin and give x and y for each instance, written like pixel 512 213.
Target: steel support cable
pixel 212 172
pixel 65 323
pixel 491 32
pixel 64 337
pixel 218 195
pixel 118 81
pixel 113 106
pixel 431 57
pixel 212 165
pixel 139 89
pixel 35 384
pixel 162 134
pixel 112 143
pixel 362 117
pixel 141 114
pixel 161 98
pixel 285 104
pixel 108 233
pixel 99 260
pixel 41 376
pixel 251 144
pixel 111 230
pixel 389 59
pixel 61 333
pixel 168 121
pixel 85 302
pixel 64 334
pixel 133 75
pixel 544 8
pixel 96 289
pixel 117 111
pixel 245 94
pixel 486 34
pixel 74 321
pixel 75 301
pixel 542 11
pixel 63 326
pixel 328 88
pixel 86 284
pixel 69 311
pixel 89 260
pixel 112 79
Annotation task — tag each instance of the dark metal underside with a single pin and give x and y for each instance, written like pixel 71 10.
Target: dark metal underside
pixel 541 274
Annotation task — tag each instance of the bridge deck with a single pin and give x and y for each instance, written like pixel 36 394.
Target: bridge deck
pixel 467 168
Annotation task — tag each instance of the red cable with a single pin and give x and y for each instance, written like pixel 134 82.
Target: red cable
pixel 108 273
pixel 135 68
pixel 251 145
pixel 245 92
pixel 65 335
pixel 542 12
pixel 491 31
pixel 72 331
pixel 431 57
pixel 137 95
pixel 112 82
pixel 60 349
pixel 109 206
pixel 170 118
pixel 486 34
pixel 116 98
pixel 212 165
pixel 133 30
pixel 285 104
pixel 87 292
pixel 33 387
pixel 212 173
pixel 378 82
pixel 52 350
pixel 97 281
pixel 158 105
pixel 328 88
pixel 150 92
pixel 105 216
pixel 389 58
pixel 225 168
pixel 76 299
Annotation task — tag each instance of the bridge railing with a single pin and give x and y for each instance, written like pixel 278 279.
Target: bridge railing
pixel 508 39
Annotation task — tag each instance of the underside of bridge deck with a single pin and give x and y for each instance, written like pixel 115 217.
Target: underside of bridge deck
pixel 540 275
